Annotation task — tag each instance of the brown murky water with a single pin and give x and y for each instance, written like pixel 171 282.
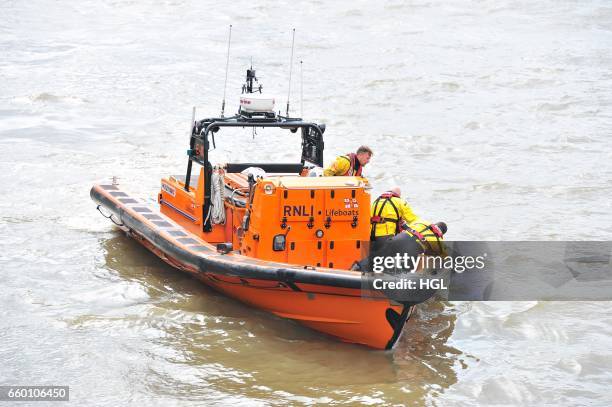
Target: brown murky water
pixel 494 116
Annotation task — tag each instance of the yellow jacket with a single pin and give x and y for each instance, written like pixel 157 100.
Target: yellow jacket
pixel 342 166
pixel 390 212
pixel 432 244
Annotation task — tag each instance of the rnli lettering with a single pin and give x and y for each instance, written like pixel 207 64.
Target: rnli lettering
pixel 298 210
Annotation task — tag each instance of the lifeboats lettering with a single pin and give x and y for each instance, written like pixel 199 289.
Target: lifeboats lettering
pixel 297 210
pixel 340 212
pixel 167 188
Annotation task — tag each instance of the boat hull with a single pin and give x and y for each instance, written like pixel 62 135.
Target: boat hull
pixel 335 302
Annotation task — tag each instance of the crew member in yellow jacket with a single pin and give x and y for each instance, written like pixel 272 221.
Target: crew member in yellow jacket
pixel 389 212
pixel 350 164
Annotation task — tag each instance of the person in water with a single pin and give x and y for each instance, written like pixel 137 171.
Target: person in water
pixel 350 164
pixel 417 238
pixel 429 236
pixel 389 213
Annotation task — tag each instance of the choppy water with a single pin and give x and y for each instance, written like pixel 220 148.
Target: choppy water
pixel 494 116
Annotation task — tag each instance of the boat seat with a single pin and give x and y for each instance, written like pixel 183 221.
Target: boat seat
pixel 239 183
pixel 236 180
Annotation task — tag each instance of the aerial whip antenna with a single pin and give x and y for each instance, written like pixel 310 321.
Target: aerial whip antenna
pixel 229 41
pixel 290 70
pixel 301 91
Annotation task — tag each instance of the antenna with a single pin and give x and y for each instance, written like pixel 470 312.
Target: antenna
pixel 229 41
pixel 290 70
pixel 301 91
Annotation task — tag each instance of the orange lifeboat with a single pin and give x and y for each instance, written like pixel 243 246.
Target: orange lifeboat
pixel 268 234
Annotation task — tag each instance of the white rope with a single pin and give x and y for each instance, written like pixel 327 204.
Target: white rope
pixel 217 212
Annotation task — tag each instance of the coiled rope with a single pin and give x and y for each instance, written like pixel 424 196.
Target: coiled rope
pixel 217 212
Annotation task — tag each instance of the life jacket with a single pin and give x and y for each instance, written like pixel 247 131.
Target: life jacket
pixel 355 166
pixel 378 219
pixel 421 237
